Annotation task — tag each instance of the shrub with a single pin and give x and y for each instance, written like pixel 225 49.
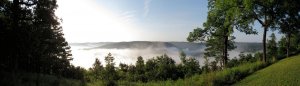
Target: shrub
pixel 231 75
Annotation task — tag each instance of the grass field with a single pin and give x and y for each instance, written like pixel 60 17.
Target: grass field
pixel 283 73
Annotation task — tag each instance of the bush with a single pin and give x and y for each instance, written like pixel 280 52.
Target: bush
pixel 216 78
pixel 231 75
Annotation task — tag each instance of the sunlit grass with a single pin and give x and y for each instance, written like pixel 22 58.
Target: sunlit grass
pixel 283 73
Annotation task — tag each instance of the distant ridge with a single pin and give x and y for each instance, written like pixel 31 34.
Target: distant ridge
pixel 241 46
pixel 137 45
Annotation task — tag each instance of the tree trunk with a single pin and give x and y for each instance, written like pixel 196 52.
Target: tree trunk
pixel 225 47
pixel 288 44
pixel 15 17
pixel 264 44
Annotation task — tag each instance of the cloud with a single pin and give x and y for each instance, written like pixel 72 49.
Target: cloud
pixel 127 17
pixel 146 7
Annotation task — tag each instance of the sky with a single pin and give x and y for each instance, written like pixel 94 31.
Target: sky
pixel 136 20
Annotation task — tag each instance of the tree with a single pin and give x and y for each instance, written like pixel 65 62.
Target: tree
pixel 110 74
pixel 151 69
pixel 32 38
pixel 182 57
pixel 97 69
pixel 131 73
pixel 282 47
pixel 140 65
pixel 123 71
pixel 217 30
pixel 123 67
pixel 192 67
pixel 289 20
pixel 140 69
pixel 189 66
pixel 161 68
pixel 206 68
pixel 265 12
pixel 166 68
pixel 272 47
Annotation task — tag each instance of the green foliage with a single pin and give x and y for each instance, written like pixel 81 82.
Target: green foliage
pixel 294 44
pixel 222 17
pixel 140 70
pixel 289 22
pixel 110 75
pixel 189 66
pixel 150 67
pixel 161 68
pixel 244 58
pixel 272 47
pixel 205 68
pixel 227 76
pixel 107 76
pixel 123 71
pixel 97 70
pixel 140 65
pixel 197 35
pixel 270 14
pixel 282 47
pixel 166 68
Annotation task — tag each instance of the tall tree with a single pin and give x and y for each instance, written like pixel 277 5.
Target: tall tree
pixel 32 37
pixel 265 12
pixel 110 75
pixel 140 65
pixel 289 20
pixel 140 69
pixel 97 69
pixel 217 30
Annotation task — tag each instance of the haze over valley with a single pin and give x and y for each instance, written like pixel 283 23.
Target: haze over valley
pixel 127 52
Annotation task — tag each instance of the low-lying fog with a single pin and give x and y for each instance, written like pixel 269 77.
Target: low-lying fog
pixel 84 54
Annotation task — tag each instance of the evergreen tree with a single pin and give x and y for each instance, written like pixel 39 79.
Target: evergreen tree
pixel 110 74
pixel 32 38
pixel 140 69
pixel 97 69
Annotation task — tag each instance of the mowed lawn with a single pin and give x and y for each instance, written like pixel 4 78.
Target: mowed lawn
pixel 283 73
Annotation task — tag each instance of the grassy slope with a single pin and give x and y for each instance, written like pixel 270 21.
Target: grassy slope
pixel 283 73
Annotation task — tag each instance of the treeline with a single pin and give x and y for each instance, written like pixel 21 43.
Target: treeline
pixel 155 69
pixel 32 39
pixel 162 68
pixel 226 16
pixel 275 51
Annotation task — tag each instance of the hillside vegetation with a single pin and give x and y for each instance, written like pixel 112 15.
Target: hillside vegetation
pixel 225 77
pixel 283 73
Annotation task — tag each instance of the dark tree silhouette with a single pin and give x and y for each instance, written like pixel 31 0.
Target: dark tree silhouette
pixel 32 38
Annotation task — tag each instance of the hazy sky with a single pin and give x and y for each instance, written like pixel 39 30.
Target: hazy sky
pixel 135 20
